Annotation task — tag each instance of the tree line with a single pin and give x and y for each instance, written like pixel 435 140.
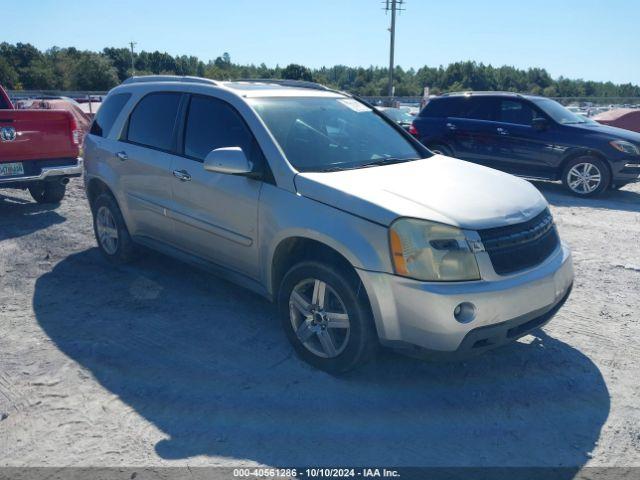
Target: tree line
pixel 23 66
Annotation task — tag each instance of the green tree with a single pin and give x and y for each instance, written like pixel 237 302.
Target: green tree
pixel 94 72
pixel 8 74
pixel 297 72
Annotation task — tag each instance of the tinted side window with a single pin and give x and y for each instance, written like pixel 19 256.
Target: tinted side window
pixel 513 111
pixel 477 108
pixel 152 121
pixel 108 112
pixel 211 124
pixel 440 107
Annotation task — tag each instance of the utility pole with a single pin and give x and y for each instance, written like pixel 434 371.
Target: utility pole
pixel 133 67
pixel 392 6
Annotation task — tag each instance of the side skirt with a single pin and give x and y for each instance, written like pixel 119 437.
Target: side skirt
pixel 198 262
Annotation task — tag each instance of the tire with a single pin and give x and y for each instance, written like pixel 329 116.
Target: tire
pixel 442 150
pixel 334 349
pixel 48 192
pixel 110 230
pixel 594 169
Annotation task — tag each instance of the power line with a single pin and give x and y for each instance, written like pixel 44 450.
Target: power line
pixel 392 6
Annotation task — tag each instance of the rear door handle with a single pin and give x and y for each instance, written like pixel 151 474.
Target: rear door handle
pixel 182 175
pixel 451 126
pixel 122 156
pixel 502 131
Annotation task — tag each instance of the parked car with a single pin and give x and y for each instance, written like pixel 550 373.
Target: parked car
pixel 401 117
pixel 39 150
pixel 627 118
pixel 322 204
pixel 530 136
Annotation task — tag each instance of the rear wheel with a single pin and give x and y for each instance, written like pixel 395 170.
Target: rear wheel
pixel 48 192
pixel 110 230
pixel 586 176
pixel 327 317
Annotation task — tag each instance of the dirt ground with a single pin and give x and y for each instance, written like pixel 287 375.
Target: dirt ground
pixel 160 364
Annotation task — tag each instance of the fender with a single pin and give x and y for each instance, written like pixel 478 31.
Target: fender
pixel 363 243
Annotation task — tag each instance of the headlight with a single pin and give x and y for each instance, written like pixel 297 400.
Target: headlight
pixel 431 251
pixel 625 147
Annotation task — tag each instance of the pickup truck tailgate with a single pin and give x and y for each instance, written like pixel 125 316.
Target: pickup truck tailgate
pixel 39 134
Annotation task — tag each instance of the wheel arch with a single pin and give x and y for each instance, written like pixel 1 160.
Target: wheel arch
pixel 583 152
pixel 297 248
pixel 96 187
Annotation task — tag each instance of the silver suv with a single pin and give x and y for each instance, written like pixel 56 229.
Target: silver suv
pixel 320 203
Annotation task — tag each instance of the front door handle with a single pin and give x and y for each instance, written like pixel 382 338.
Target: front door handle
pixel 122 156
pixel 502 131
pixel 182 175
pixel 451 126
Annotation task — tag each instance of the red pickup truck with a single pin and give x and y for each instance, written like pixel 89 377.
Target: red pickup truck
pixel 39 150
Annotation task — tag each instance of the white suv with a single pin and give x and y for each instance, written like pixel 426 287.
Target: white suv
pixel 315 200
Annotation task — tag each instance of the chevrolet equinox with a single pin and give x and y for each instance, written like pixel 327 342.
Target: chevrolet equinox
pixel 320 203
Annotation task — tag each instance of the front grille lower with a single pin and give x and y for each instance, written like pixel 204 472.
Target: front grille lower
pixel 521 246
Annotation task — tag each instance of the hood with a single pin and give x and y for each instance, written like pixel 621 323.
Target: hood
pixel 614 132
pixel 438 188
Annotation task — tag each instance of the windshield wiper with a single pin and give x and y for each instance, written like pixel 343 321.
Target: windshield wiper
pixel 374 163
pixel 386 161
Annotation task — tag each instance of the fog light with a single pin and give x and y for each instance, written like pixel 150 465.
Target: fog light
pixel 465 312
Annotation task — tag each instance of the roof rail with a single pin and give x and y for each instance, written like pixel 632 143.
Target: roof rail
pixel 481 92
pixel 287 83
pixel 169 78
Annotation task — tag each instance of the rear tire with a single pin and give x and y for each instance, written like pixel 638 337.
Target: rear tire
pixel 586 176
pixel 110 230
pixel 326 316
pixel 48 192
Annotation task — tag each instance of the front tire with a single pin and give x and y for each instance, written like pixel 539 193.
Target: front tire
pixel 110 230
pixel 586 176
pixel 327 317
pixel 48 192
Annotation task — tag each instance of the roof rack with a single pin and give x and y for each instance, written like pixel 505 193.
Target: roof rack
pixel 287 83
pixel 169 78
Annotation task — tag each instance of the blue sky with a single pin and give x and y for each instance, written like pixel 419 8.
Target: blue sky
pixel 590 39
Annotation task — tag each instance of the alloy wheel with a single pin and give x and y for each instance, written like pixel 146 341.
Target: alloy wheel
pixel 584 178
pixel 107 230
pixel 319 318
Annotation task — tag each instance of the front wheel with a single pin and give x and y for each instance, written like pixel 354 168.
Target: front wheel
pixel 586 176
pixel 327 317
pixel 48 192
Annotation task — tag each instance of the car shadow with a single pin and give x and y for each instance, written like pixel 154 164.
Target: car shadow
pixel 207 363
pixel 19 217
pixel 623 200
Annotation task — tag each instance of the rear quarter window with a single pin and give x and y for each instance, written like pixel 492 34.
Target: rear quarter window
pixel 153 120
pixel 108 113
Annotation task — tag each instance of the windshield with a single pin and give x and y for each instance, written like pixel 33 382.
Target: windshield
pixel 559 113
pixel 322 134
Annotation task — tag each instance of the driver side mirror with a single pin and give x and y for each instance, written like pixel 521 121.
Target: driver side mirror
pixel 540 123
pixel 229 160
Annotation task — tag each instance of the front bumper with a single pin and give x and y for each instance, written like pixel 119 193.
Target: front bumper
pixel 49 169
pixel 420 315
pixel 625 170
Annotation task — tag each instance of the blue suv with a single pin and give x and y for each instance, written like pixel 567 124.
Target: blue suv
pixel 530 136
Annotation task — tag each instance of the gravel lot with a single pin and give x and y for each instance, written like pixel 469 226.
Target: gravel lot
pixel 159 364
